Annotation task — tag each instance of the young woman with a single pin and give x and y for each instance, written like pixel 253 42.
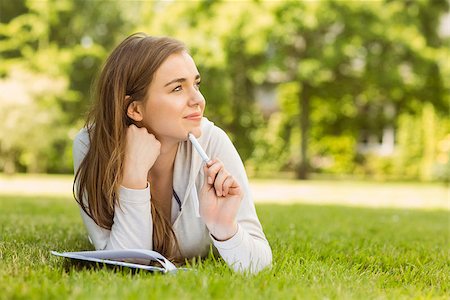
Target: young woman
pixel 139 181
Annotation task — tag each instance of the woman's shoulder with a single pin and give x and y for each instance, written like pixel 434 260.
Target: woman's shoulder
pixel 81 138
pixel 212 135
pixel 210 131
pixel 80 146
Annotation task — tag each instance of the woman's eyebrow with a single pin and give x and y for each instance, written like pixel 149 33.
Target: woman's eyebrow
pixel 180 80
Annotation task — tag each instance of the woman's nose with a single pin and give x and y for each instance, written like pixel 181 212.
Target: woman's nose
pixel 196 98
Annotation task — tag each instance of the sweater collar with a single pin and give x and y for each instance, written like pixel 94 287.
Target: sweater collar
pixel 188 162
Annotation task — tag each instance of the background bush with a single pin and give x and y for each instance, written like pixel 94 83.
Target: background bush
pixel 334 72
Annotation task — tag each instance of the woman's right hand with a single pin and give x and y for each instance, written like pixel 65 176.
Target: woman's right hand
pixel 141 151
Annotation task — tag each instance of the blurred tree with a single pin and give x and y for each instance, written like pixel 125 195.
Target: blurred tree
pixel 372 54
pixel 30 120
pixel 52 40
pixel 344 70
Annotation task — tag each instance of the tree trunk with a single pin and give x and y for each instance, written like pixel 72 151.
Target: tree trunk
pixel 304 104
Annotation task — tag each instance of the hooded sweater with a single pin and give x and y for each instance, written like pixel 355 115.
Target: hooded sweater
pixel 247 250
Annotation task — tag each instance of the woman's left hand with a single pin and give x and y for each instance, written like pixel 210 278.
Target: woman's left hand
pixel 220 199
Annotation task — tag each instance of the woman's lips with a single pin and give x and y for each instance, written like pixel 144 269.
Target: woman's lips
pixel 195 116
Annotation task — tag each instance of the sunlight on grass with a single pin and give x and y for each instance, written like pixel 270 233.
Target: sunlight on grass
pixel 280 191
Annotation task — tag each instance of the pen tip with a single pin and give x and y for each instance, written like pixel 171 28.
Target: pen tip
pixel 190 136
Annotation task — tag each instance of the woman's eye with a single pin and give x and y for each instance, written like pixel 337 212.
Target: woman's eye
pixel 198 84
pixel 177 89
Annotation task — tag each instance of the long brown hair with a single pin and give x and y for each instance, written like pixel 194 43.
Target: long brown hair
pixel 128 71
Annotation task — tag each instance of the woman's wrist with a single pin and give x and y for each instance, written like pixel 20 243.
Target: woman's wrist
pixel 223 232
pixel 134 180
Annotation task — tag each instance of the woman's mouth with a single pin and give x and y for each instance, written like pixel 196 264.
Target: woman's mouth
pixel 194 117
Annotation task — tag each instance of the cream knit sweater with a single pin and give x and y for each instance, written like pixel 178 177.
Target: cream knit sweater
pixel 247 250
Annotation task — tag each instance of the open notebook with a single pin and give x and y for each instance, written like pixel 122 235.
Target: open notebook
pixel 131 258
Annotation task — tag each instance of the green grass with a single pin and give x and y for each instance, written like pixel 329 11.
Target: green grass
pixel 319 252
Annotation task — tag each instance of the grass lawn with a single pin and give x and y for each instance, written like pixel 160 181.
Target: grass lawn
pixel 319 252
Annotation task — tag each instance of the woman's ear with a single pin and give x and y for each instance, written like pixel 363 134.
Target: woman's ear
pixel 134 110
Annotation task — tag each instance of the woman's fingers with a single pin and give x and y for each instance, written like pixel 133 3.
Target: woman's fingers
pixel 213 170
pixel 234 191
pixel 222 181
pixel 219 182
pixel 227 184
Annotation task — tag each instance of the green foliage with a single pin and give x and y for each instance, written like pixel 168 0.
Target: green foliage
pixel 346 68
pixel 374 54
pixel 275 147
pixel 36 103
pixel 441 168
pixel 318 252
pixel 269 155
pixel 421 146
pixel 334 154
pixel 380 168
pixel 51 54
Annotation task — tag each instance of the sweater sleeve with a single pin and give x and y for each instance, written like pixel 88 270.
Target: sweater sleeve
pixel 248 249
pixel 132 223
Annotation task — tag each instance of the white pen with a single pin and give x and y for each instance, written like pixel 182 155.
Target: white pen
pixel 206 159
pixel 198 148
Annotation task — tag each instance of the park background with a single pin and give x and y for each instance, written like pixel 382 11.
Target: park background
pixel 351 95
pixel 304 88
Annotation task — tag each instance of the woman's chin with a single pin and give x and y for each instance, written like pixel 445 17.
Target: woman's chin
pixel 197 132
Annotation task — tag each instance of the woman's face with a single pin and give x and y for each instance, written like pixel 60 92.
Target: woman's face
pixel 174 106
